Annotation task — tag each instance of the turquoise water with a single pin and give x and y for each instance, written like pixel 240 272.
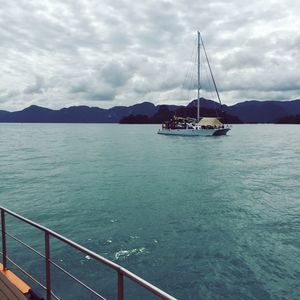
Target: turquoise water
pixel 201 218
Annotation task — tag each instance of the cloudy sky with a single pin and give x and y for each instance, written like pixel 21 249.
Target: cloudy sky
pixel 59 53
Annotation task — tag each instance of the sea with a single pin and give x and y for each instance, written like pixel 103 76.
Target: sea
pixel 198 217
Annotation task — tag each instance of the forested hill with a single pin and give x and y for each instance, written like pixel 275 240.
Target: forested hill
pixel 146 112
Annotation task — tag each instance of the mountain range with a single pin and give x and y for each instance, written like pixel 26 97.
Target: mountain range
pixel 244 112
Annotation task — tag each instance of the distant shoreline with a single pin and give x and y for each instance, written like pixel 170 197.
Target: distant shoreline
pixel 248 112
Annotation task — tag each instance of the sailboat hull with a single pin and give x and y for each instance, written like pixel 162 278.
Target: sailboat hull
pixel 194 132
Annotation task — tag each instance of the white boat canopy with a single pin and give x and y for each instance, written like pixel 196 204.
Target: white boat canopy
pixel 210 122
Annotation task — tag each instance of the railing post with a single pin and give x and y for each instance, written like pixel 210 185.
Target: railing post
pixel 4 260
pixel 120 286
pixel 47 265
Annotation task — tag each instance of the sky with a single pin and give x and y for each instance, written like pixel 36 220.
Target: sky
pixel 121 52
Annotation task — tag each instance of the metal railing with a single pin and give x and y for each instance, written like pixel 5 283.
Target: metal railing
pixel 121 272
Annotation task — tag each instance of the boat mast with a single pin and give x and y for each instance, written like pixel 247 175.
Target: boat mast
pixel 198 100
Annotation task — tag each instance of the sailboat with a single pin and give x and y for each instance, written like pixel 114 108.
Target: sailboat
pixel 202 126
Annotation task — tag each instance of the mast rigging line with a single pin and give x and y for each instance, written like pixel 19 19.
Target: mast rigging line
pixel 210 70
pixel 189 77
pixel 198 87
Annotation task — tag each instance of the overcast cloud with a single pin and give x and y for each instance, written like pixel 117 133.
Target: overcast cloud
pixel 106 53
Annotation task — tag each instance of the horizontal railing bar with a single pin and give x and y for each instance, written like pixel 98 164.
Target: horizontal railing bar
pixel 67 241
pixel 26 245
pixel 57 266
pixel 150 287
pixel 77 280
pixel 99 258
pixel 55 296
pixel 26 273
pixel 30 277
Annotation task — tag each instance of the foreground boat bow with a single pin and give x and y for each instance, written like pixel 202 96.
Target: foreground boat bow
pixel 11 284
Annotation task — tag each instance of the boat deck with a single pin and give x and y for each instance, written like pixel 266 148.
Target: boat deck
pixel 11 287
